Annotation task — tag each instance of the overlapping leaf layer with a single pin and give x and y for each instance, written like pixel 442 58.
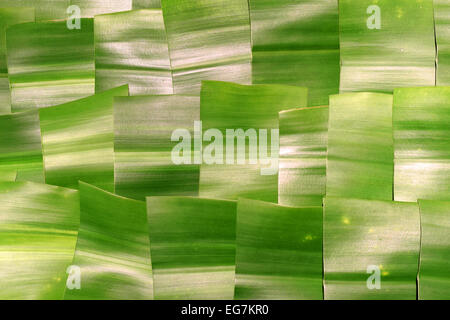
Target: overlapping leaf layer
pixel 181 149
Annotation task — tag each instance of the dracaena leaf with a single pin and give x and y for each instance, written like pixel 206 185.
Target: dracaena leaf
pixel 91 8
pixel 434 275
pixel 386 44
pixel 228 106
pixel 371 249
pixel 113 250
pixel 278 252
pixel 78 141
pixel 291 48
pixel 421 119
pixel 50 64
pixel 360 146
pixel 38 233
pixel 9 17
pixel 208 40
pixel 303 156
pixel 20 145
pixel 192 247
pixel 143 145
pixel 131 48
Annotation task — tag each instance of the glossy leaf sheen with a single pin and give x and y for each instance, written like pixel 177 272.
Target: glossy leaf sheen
pixel 45 9
pixel 9 17
pixel 20 145
pixel 401 53
pixel 131 48
pixel 192 247
pixel 362 234
pixel 8 175
pixel 434 275
pixel 296 42
pixel 38 233
pixel 422 143
pixel 303 156
pixel 360 146
pixel 143 129
pixel 113 250
pixel 442 23
pixel 78 141
pixel 278 252
pixel 232 106
pixel 145 4
pixel 91 8
pixel 208 40
pixel 49 64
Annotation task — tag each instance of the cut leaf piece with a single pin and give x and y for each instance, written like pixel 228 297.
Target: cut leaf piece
pixel 422 143
pixel 38 233
pixel 78 141
pixel 360 146
pixel 20 145
pixel 371 249
pixel 318 70
pixel 434 275
pixel 208 40
pixel 192 247
pixel 143 146
pixel 296 42
pixel 5 95
pixel 49 64
pixel 113 249
pixel 278 252
pixel 91 8
pixel 442 24
pixel 9 17
pixel 303 156
pixel 45 9
pixel 8 175
pixel 246 119
pixel 386 44
pixel 131 48
pixel 146 4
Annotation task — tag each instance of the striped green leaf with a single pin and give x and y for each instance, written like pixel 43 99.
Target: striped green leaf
pixel 49 64
pixel 20 145
pixel 422 143
pixel 278 252
pixel 228 106
pixel 370 243
pixel 9 17
pixel 442 23
pixel 146 4
pixel 360 146
pixel 78 141
pixel 296 42
pixel 8 175
pixel 208 40
pixel 143 128
pixel 45 9
pixel 91 8
pixel 303 156
pixel 131 48
pixel 386 44
pixel 113 250
pixel 192 247
pixel 434 275
pixel 38 233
